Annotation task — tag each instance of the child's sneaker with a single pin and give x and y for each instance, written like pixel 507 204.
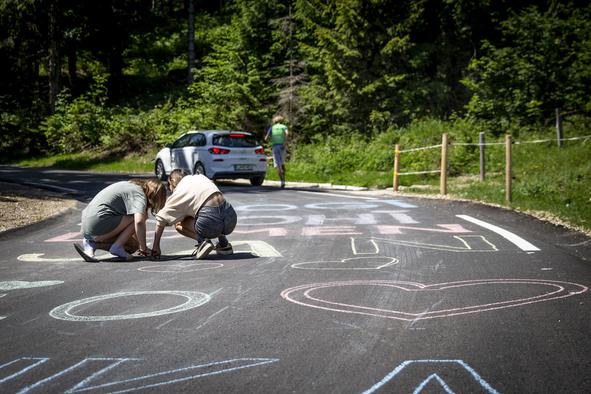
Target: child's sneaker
pixel 83 254
pixel 203 250
pixel 224 250
pixel 120 252
pixel 89 247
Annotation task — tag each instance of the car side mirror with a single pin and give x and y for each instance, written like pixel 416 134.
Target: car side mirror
pixel 169 145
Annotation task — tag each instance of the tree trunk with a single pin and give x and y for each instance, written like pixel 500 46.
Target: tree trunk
pixel 191 39
pixel 72 71
pixel 116 69
pixel 54 63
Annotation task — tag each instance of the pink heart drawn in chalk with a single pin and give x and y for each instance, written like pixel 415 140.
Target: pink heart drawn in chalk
pixel 544 290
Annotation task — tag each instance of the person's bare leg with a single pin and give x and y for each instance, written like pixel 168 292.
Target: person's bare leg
pixel 118 248
pixel 281 172
pixel 132 244
pixel 125 235
pixel 187 228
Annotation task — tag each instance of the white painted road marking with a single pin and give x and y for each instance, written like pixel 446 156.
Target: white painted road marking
pixel 509 236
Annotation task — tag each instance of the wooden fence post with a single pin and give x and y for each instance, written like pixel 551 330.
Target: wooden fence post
pixel 508 168
pixel 396 166
pixel 443 171
pixel 482 156
pixel 558 127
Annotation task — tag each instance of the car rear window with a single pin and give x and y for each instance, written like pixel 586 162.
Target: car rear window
pixel 235 140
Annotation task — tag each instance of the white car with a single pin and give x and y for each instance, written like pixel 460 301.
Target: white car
pixel 215 154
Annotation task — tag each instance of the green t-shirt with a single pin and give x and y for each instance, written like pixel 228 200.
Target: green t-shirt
pixel 278 133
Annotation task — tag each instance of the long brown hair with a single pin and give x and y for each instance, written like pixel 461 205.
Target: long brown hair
pixel 155 193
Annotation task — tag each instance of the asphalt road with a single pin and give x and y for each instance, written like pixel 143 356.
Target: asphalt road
pixel 326 292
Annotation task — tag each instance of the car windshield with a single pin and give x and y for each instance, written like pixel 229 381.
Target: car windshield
pixel 235 140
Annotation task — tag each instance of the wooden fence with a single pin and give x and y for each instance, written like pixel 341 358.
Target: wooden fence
pixel 508 142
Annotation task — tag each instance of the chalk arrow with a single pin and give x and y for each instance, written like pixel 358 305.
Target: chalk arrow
pixel 404 377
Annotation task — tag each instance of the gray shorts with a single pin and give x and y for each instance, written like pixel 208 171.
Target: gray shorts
pixel 278 155
pixel 211 222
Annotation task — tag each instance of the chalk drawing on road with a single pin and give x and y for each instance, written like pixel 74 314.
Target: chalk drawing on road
pixel 256 247
pixel 38 258
pixel 181 267
pixel 354 264
pixel 30 363
pixel 21 284
pixel 194 299
pixel 364 246
pixel 342 205
pixel 513 238
pixel 259 248
pixel 464 243
pixel 466 374
pixel 99 379
pixel 543 290
pixel 266 207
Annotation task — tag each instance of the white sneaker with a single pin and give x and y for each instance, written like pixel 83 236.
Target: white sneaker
pixel 89 247
pixel 82 253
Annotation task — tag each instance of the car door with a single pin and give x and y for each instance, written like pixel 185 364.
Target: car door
pixel 193 150
pixel 177 155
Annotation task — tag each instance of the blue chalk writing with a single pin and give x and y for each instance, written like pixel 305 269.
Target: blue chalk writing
pixel 405 364
pixel 242 364
pixel 444 385
pixel 132 384
pixel 38 361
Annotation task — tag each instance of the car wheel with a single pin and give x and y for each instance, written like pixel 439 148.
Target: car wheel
pixel 160 171
pixel 257 181
pixel 199 169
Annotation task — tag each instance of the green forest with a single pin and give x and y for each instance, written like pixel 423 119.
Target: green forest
pixel 128 75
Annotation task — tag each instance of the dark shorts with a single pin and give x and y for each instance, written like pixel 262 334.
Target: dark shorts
pixel 212 222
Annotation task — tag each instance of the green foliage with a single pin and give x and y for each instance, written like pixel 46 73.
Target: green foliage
pixel 543 63
pixel 78 123
pixel 85 123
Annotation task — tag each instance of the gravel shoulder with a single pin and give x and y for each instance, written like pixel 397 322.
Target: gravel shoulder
pixel 22 205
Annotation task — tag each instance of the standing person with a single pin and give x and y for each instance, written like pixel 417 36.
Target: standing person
pixel 199 211
pixel 115 219
pixel 278 133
